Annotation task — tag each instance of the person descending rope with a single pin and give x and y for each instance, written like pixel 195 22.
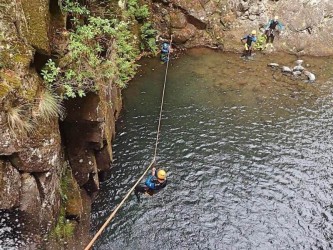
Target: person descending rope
pixel 153 184
pixel 271 29
pixel 248 40
pixel 165 50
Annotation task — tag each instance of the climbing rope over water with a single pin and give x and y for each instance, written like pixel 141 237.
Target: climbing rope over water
pixel 106 223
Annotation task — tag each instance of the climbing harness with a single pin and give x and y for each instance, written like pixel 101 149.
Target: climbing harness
pixel 91 243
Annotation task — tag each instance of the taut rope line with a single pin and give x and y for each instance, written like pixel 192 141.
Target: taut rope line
pixel 106 223
pixel 162 103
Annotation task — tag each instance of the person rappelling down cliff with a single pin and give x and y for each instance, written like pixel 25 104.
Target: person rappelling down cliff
pixel 153 184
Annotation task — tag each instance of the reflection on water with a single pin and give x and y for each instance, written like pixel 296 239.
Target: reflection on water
pixel 248 151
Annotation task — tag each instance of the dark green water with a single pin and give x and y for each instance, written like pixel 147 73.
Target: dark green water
pixel 248 153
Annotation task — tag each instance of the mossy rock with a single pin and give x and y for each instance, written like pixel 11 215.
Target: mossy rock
pixel 38 21
pixel 73 206
pixel 8 81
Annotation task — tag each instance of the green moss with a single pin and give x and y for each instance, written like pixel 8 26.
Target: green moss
pixel 74 201
pixel 70 196
pixel 10 78
pixel 38 18
pixel 64 228
pixel 25 60
pixel 5 59
pixel 4 89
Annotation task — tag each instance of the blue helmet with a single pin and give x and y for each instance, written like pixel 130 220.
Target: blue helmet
pixel 165 47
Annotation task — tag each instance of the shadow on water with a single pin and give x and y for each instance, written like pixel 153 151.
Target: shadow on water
pixel 248 153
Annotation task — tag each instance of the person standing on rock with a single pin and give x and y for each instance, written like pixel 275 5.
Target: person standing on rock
pixel 248 40
pixel 271 29
pixel 153 184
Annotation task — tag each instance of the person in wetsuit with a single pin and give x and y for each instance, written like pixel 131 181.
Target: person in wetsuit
pixel 165 49
pixel 271 29
pixel 248 40
pixel 153 184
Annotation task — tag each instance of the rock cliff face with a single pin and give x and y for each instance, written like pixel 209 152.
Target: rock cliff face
pixel 35 152
pixel 308 24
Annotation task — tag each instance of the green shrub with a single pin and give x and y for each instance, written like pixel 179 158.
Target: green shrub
pixel 74 7
pixel 261 41
pixel 50 72
pixel 148 35
pixel 139 12
pixel 91 60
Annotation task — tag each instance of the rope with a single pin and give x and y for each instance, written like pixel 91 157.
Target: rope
pixel 106 223
pixel 162 102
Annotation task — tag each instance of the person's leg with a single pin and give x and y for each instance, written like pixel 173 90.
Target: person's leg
pixel 139 189
pixel 267 33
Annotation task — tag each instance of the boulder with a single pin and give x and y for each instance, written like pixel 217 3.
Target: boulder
pixel 177 20
pixel 183 35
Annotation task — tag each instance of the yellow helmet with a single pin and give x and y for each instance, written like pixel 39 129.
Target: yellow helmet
pixel 254 32
pixel 161 174
pixel 276 18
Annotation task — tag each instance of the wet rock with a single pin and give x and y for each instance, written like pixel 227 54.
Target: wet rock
pixel 273 65
pixel 298 68
pixel 30 196
pixel 297 73
pixel 299 62
pixel 10 185
pixel 92 186
pixel 30 203
pixel 103 160
pixel 286 69
pixel 48 184
pixel 310 76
